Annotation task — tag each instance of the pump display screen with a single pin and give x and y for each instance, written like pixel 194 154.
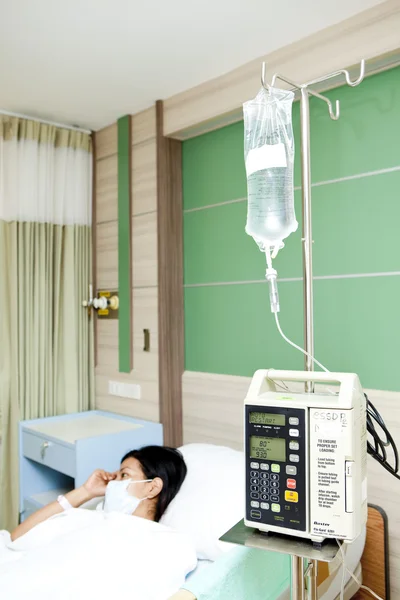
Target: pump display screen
pixel 265 448
pixel 262 418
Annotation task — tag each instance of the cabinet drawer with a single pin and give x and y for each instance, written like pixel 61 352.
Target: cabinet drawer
pixel 48 453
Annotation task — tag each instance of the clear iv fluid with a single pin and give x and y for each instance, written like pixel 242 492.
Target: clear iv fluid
pixel 270 210
pixel 269 159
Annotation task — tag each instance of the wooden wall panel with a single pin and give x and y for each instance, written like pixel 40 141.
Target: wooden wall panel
pixel 145 408
pixel 107 189
pixel 170 281
pixel 145 155
pixel 107 255
pixel 146 317
pixel 144 126
pixel 106 142
pixel 144 250
pixel 144 184
pixel 107 344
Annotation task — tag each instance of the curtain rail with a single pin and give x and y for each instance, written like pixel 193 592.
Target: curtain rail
pixel 44 121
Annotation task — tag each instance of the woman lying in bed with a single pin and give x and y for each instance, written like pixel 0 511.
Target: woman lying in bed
pixel 83 554
pixel 145 484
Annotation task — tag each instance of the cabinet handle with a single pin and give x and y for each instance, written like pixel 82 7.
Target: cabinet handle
pixel 43 449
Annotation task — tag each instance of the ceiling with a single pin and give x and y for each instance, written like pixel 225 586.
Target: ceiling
pixel 87 62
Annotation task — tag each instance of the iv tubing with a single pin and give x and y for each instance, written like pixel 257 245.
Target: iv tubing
pixel 298 347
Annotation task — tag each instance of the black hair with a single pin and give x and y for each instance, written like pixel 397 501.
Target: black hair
pixel 165 463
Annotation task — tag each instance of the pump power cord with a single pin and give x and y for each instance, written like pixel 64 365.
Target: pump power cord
pixel 377 447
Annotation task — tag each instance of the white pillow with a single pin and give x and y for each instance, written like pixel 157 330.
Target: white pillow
pixel 211 499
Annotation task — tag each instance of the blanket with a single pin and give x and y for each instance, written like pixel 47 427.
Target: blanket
pixel 82 554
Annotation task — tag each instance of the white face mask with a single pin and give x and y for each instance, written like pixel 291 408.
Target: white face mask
pixel 118 499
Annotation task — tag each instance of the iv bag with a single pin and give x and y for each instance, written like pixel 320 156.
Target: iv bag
pixel 269 158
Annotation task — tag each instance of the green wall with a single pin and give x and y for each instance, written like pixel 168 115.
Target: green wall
pixel 356 229
pixel 124 245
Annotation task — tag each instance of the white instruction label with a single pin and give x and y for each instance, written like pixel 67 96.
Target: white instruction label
pixel 265 157
pixel 328 451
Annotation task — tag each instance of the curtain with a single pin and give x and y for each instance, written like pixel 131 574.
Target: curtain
pixel 46 337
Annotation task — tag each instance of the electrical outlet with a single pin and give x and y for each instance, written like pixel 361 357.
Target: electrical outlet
pixel 113 388
pixel 132 390
pixel 124 390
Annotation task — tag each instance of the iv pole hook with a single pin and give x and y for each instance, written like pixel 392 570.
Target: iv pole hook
pixel 359 78
pixel 263 82
pixel 344 72
pixel 333 115
pixel 341 72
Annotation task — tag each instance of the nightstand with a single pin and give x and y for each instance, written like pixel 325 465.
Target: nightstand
pixel 58 454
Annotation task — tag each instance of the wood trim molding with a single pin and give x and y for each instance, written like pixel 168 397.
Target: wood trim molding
pixel 93 313
pixel 370 34
pixel 170 281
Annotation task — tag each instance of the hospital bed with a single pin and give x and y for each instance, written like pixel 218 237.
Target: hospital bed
pixel 184 549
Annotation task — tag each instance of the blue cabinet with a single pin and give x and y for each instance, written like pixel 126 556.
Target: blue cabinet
pixel 58 454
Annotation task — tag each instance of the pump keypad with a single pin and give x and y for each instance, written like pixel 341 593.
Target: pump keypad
pixel 277 486
pixel 268 490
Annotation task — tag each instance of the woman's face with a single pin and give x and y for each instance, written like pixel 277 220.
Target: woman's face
pixel 132 469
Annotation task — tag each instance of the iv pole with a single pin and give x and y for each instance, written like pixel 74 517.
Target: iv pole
pixel 304 571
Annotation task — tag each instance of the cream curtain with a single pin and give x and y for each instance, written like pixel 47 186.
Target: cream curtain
pixel 46 338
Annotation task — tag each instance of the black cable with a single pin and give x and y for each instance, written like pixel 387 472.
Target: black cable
pixel 377 448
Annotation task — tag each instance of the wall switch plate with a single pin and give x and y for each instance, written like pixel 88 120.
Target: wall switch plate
pixel 124 390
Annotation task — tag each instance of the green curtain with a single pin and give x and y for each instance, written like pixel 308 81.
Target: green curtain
pixel 46 336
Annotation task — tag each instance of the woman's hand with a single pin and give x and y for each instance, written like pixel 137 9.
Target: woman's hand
pixel 97 483
pixel 94 487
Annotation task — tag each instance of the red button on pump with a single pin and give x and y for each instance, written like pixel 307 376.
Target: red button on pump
pixel 291 484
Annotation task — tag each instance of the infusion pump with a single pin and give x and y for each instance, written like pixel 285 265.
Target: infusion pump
pixel 306 456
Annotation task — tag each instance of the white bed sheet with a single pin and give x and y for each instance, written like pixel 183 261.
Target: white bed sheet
pixel 201 565
pixel 84 554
